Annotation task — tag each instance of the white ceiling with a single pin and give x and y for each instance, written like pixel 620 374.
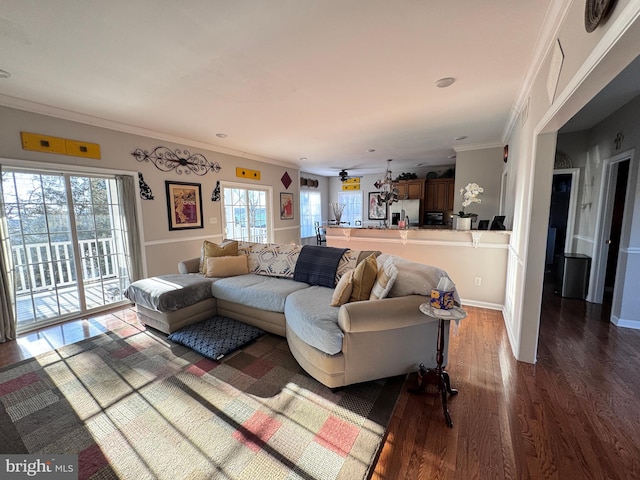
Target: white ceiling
pixel 284 79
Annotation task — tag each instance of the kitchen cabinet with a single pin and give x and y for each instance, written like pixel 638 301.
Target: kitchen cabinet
pixel 440 195
pixel 411 189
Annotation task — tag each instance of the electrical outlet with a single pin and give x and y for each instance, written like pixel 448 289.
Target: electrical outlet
pixel 477 281
pixel 213 220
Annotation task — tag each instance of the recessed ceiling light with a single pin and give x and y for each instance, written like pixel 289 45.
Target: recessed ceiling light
pixel 371 150
pixel 221 135
pixel 303 159
pixel 461 137
pixel 419 164
pixel 4 74
pixel 445 82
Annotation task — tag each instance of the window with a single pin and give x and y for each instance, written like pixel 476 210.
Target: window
pixel 310 212
pixel 353 207
pixel 247 214
pixel 67 244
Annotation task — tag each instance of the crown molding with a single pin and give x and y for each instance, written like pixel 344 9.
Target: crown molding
pixel 477 146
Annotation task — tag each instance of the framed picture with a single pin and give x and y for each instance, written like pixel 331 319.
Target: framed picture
pixel 376 212
pixel 483 225
pixel 497 223
pixel 184 205
pixel 286 206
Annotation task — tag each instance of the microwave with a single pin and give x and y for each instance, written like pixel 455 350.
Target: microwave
pixel 434 218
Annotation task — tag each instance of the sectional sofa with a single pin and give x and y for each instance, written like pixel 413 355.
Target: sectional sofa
pixel 341 326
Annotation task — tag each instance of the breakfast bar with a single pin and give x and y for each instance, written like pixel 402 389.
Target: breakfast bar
pixel 476 260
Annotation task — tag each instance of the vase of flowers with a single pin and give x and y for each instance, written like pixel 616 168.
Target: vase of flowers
pixel 470 194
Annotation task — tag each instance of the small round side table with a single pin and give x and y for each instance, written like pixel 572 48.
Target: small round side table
pixel 438 375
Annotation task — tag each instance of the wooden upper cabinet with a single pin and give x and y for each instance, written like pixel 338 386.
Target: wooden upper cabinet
pixel 440 194
pixel 411 189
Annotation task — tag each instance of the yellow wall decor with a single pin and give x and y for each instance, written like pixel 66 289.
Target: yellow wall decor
pixel 246 173
pixel 82 149
pixel 352 186
pixel 61 146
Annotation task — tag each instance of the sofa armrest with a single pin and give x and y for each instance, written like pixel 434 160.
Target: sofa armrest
pixel 384 314
pixel 189 266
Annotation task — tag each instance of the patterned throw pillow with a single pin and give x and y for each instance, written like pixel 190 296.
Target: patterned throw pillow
pixel 273 259
pixel 210 249
pixel 364 276
pixel 348 262
pixel 386 277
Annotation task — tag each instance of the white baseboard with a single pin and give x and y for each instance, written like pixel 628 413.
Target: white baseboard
pixel 476 303
pixel 621 322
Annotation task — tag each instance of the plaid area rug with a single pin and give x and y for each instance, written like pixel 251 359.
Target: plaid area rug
pixel 132 405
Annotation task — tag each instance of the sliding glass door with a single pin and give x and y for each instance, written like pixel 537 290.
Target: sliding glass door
pixel 66 242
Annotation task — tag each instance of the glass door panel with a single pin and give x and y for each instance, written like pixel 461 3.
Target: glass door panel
pixel 41 244
pixel 67 244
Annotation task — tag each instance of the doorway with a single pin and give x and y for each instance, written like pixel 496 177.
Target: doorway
pixel 616 228
pixel 609 227
pixel 562 214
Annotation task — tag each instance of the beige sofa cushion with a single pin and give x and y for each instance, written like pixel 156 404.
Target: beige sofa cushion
pixel 342 292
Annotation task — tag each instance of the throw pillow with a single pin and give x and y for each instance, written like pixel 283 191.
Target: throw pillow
pixel 343 290
pixel 364 276
pixel 228 266
pixel 386 277
pixel 210 249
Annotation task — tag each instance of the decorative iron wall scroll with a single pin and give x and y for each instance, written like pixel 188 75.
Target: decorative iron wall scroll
pixel 179 160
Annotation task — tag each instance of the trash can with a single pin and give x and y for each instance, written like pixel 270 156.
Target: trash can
pixel 575 275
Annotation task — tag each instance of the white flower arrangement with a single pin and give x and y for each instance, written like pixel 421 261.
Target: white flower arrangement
pixel 470 194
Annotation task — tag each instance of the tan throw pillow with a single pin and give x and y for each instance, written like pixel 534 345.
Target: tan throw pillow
pixel 228 266
pixel 210 249
pixel 364 276
pixel 343 290
pixel 387 274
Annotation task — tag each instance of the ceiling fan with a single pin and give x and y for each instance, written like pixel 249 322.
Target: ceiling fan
pixel 343 174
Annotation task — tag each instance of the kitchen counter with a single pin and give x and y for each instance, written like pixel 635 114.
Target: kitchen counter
pixel 476 260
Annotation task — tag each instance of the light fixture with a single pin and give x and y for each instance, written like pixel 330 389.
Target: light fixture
pixel 4 74
pixel 221 135
pixel 303 159
pixel 461 137
pixel 371 150
pixel 445 82
pixel 388 189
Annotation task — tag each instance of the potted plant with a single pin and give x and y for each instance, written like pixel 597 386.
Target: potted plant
pixel 470 194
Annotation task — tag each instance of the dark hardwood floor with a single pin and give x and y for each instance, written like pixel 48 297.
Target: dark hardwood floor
pixel 572 415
